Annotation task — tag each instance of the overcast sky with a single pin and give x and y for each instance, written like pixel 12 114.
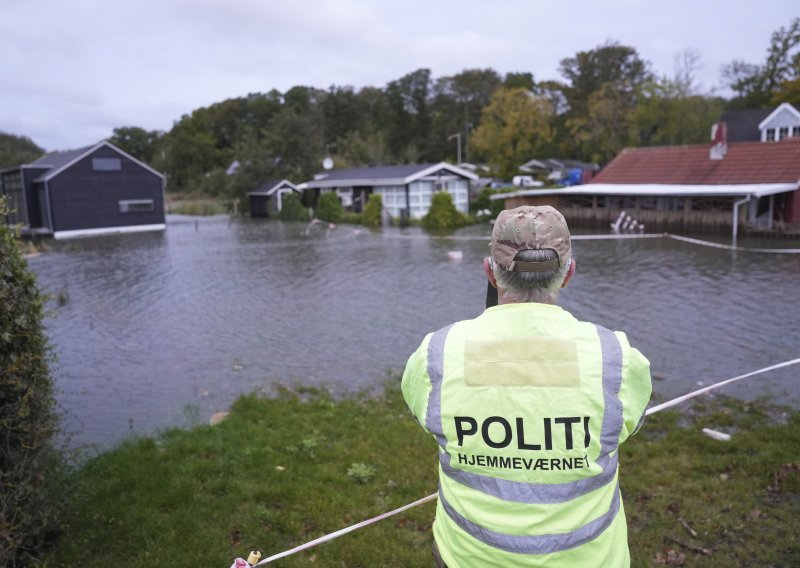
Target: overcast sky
pixel 72 71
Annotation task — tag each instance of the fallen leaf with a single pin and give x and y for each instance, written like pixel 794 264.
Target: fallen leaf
pixel 670 557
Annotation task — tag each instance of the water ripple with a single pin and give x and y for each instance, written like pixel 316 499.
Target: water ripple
pixel 162 329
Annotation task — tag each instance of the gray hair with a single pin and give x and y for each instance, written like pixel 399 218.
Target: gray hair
pixel 541 287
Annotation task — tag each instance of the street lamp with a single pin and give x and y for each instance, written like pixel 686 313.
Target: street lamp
pixel 457 136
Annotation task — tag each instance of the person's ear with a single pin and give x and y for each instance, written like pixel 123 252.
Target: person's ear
pixel 488 268
pixel 570 272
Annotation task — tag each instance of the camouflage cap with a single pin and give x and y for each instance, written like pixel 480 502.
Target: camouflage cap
pixel 529 227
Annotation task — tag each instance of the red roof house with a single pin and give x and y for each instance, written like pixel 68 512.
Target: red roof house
pixel 698 187
pixel 743 163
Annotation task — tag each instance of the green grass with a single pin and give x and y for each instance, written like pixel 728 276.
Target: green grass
pixel 280 472
pixel 195 205
pixel 742 498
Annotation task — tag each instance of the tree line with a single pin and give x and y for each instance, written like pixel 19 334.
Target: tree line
pixel 608 98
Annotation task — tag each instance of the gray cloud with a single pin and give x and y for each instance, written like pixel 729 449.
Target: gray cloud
pixel 82 68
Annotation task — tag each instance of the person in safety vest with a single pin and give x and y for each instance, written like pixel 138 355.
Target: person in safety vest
pixel 528 406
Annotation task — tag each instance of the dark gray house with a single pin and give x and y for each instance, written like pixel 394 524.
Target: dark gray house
pixel 267 199
pixel 93 190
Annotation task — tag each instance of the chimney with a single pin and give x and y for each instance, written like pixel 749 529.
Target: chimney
pixel 719 141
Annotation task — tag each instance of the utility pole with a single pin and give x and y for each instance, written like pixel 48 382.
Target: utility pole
pixel 457 136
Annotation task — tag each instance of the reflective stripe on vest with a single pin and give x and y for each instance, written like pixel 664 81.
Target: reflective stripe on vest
pixel 536 544
pixel 535 493
pixel 433 415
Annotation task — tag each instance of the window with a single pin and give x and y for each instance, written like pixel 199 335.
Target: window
pixel 461 199
pixel 770 134
pixel 346 196
pixel 136 206
pixel 783 133
pixel 394 198
pixel 106 164
pixel 796 132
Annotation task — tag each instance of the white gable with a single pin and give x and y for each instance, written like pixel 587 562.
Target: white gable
pixel 784 117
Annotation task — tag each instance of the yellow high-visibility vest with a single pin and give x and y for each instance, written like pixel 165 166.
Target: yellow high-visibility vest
pixel 528 406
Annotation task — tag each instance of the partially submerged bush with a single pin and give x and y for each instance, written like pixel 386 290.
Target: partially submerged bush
pixel 373 210
pixel 292 208
pixel 329 208
pixel 27 416
pixel 443 213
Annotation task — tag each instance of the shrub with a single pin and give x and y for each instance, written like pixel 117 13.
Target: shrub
pixel 485 203
pixel 443 214
pixel 373 210
pixel 352 218
pixel 329 208
pixel 292 209
pixel 28 460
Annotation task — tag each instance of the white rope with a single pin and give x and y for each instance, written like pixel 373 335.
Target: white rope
pixel 341 532
pixel 731 247
pixel 651 410
pixel 680 399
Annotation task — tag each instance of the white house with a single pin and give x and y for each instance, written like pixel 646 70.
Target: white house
pixel 266 200
pixel 406 190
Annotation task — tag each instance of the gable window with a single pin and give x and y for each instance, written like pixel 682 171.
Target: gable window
pixel 770 134
pixel 136 206
pixel 106 164
pixel 783 133
pixel 796 132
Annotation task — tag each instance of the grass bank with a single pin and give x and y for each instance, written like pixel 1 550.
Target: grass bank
pixel 280 472
pixel 188 204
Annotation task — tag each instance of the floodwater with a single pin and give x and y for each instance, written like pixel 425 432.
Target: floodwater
pixel 159 330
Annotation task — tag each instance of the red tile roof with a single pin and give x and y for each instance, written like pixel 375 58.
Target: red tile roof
pixel 745 162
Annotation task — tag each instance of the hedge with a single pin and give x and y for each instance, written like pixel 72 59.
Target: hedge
pixel 29 462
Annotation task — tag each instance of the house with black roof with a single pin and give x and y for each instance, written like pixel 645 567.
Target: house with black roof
pixel 406 190
pixel 266 200
pixel 762 125
pixel 742 125
pixel 93 190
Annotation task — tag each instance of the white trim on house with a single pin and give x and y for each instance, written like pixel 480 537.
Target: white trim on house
pixel 782 107
pixel 361 182
pixel 281 192
pixel 441 166
pixel 777 120
pixel 661 190
pixel 108 231
pixel 275 188
pixel 51 174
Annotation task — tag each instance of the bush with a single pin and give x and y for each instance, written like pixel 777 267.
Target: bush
pixel 443 214
pixel 352 218
pixel 292 209
pixel 329 208
pixel 28 460
pixel 373 210
pixel 485 203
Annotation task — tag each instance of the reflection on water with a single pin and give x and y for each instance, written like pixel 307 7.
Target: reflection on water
pixel 164 328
